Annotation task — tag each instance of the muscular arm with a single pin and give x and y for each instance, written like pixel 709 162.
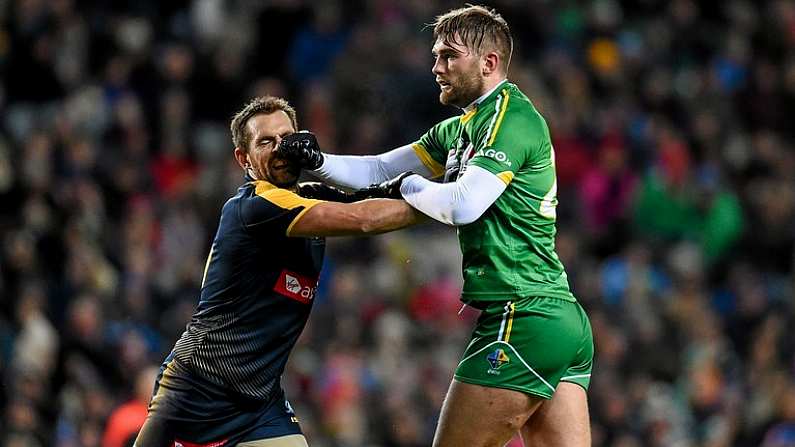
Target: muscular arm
pixel 359 218
pixel 456 203
pixel 356 172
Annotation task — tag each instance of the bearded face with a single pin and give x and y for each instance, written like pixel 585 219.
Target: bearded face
pixel 266 131
pixel 458 73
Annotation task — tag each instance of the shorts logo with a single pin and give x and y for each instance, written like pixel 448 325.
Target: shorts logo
pixel 496 359
pixel 297 287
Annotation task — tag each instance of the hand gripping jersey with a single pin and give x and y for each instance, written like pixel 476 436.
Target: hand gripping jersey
pixel 510 250
pixel 256 294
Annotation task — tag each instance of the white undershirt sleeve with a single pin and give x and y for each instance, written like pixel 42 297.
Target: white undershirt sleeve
pixel 456 203
pixel 356 171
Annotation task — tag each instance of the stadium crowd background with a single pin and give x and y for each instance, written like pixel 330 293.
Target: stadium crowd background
pixel 673 128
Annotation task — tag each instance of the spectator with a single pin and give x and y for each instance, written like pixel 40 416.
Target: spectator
pixel 125 421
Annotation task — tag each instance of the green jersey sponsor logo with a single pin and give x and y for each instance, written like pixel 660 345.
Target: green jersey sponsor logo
pixel 495 154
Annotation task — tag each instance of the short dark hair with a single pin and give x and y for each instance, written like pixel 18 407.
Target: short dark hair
pixel 260 104
pixel 476 27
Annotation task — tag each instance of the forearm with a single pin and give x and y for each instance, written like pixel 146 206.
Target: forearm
pixel 456 203
pixel 384 215
pixel 356 172
pixel 367 217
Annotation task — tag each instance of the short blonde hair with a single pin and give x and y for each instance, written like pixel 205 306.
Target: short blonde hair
pixel 476 27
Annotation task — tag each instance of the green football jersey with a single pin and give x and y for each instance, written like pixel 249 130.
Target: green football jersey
pixel 510 250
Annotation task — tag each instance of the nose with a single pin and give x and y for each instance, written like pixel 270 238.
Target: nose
pixel 437 66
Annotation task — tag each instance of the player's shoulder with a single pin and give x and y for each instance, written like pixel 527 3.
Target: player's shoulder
pixel 440 133
pixel 510 113
pixel 447 125
pixel 259 201
pixel 518 105
pixel 243 192
pixel 507 102
pixel 262 191
pixel 520 112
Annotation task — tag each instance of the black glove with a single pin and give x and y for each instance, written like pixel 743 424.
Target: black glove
pixel 320 191
pixel 301 148
pixel 389 189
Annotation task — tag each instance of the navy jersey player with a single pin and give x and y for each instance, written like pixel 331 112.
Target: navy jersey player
pixel 220 384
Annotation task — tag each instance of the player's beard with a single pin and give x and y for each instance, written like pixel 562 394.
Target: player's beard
pixel 282 178
pixel 465 89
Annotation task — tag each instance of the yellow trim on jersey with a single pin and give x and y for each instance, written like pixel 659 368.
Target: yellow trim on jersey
pixel 284 198
pixel 260 186
pixel 426 159
pixel 207 264
pixel 505 176
pixel 298 217
pixel 510 324
pixel 505 97
pixel 465 118
pixel 281 197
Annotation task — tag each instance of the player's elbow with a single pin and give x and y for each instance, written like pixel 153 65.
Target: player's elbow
pixel 368 222
pixel 459 219
pixel 464 215
pixel 368 225
pixel 385 215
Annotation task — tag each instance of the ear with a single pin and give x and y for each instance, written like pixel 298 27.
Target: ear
pixel 490 63
pixel 241 157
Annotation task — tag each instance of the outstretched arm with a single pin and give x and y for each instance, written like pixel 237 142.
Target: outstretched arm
pixel 355 172
pixel 457 203
pixel 366 217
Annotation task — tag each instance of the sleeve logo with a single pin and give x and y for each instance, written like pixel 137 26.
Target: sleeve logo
pixel 295 286
pixel 495 154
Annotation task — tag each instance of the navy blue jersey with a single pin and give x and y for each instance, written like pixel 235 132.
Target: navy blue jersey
pixel 256 293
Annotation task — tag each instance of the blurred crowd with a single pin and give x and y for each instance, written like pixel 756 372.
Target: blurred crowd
pixel 675 142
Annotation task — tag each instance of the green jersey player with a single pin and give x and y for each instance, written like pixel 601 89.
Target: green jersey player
pixel 528 365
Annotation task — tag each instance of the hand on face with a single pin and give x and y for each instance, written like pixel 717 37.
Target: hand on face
pixel 267 131
pixel 302 149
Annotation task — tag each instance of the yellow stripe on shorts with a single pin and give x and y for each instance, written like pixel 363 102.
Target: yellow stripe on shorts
pixel 510 324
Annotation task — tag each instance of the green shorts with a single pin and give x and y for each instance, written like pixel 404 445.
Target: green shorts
pixel 529 345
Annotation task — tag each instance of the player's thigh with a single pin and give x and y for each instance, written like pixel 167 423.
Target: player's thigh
pixel 282 441
pixel 480 416
pixel 560 421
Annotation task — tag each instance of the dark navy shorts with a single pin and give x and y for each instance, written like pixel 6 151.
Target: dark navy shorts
pixel 193 412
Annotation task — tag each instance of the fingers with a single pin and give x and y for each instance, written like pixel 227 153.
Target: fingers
pixel 301 147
